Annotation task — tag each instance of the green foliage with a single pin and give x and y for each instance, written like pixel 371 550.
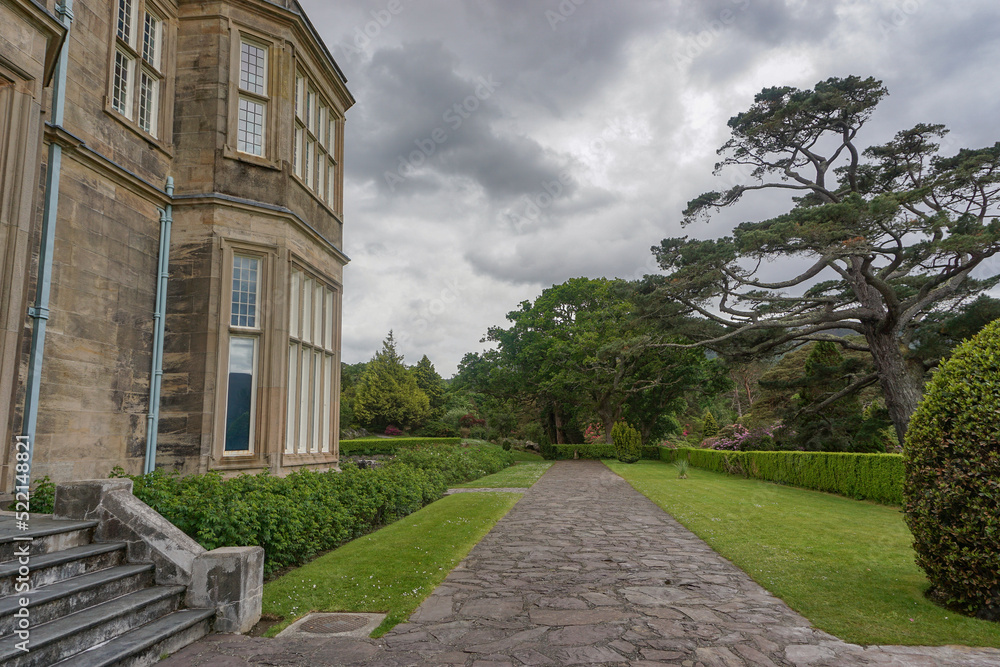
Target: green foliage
pixel 581 353
pixel 389 446
pixel 952 488
pixel 628 442
pixel 41 500
pixel 599 450
pixel 876 477
pixel 387 393
pixel 457 464
pixel 296 517
pixel 431 384
pixel 709 427
pixel 887 236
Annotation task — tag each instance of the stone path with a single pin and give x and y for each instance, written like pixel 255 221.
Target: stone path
pixel 582 571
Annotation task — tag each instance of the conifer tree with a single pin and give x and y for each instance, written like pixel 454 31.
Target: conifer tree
pixel 387 392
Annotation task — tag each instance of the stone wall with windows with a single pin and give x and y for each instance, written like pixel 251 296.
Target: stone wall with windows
pixel 204 92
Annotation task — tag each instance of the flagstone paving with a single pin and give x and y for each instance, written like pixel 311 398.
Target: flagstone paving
pixel 584 570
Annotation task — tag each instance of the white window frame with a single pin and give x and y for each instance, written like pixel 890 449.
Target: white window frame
pixel 314 160
pixel 248 98
pixel 254 331
pixel 312 364
pixel 137 75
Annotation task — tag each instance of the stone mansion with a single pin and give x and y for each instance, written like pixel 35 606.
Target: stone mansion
pixel 171 237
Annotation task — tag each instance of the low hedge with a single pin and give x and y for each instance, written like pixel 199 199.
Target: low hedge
pixel 460 464
pixel 389 446
pixel 600 450
pixel 299 516
pixel 876 477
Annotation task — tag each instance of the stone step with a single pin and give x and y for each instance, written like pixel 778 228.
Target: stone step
pixel 72 595
pixel 146 645
pixel 47 568
pixel 66 636
pixel 46 535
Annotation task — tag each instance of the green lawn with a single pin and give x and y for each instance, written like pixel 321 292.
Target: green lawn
pixel 844 564
pixel 520 476
pixel 391 570
pixel 526 456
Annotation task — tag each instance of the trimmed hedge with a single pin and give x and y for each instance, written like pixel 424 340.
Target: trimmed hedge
pixel 299 516
pixel 389 446
pixel 876 477
pixel 953 478
pixel 600 450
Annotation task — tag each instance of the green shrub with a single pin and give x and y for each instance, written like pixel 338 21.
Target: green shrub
pixel 876 477
pixel 299 516
pixel 628 443
pixel 952 489
pixel 599 450
pixel 458 464
pixel 389 446
pixel 709 426
pixel 42 498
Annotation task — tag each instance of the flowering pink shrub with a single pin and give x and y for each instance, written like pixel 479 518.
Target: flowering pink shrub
pixel 392 430
pixel 744 439
pixel 593 433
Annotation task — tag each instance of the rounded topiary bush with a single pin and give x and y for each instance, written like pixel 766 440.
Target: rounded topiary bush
pixel 952 489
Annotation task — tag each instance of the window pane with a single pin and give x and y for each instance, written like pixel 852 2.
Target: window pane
pixel 151 41
pixel 291 415
pixel 293 305
pixel 253 68
pixel 316 396
pixel 318 314
pixel 327 401
pixel 251 127
pixel 321 176
pixel 149 100
pixel 328 341
pixel 120 97
pixel 297 158
pixel 240 395
pixel 307 310
pixel 300 92
pixel 310 159
pixel 125 21
pixel 331 184
pixel 332 143
pixel 245 282
pixel 305 363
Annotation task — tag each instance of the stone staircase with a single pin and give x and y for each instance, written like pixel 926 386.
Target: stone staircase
pixel 86 604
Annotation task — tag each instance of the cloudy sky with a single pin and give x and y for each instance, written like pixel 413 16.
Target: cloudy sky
pixel 499 147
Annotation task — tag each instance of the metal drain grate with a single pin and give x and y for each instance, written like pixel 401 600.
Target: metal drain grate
pixel 334 624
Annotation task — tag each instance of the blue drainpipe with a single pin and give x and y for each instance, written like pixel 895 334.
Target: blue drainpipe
pixel 159 324
pixel 39 313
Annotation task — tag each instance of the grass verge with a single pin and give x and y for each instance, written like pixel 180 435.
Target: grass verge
pixel 391 570
pixel 526 456
pixel 521 476
pixel 846 565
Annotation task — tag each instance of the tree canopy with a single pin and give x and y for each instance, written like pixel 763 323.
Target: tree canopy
pixel 387 393
pixel 579 354
pixel 890 235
